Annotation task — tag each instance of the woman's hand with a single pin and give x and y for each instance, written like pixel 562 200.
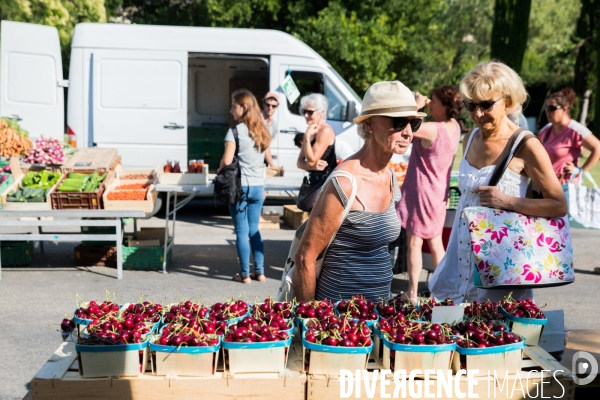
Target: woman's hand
pixel 321 165
pixel 421 100
pixel 569 168
pixel 311 132
pixel 491 196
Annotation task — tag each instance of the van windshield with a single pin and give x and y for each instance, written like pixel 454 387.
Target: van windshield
pixel 358 100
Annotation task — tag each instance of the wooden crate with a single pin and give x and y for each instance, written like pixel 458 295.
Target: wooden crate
pixel 151 174
pixel 59 379
pixel 92 158
pixel 268 222
pixel 17 206
pixel 146 205
pixel 293 216
pixel 80 200
pixel 183 178
pixel 324 387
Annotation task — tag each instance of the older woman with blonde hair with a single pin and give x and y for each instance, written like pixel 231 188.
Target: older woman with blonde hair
pixel 357 261
pixel 490 92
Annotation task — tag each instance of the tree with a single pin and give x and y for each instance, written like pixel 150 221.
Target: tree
pixel 510 31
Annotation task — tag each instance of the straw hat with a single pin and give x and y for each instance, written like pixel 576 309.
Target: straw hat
pixel 390 99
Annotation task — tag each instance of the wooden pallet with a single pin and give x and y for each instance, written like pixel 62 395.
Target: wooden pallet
pixel 59 378
pixel 321 387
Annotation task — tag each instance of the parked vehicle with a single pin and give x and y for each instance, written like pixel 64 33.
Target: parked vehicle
pixel 163 92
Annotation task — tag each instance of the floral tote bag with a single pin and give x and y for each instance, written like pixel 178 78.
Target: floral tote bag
pixel 519 251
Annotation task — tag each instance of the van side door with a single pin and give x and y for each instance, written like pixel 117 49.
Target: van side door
pixel 139 104
pixel 32 85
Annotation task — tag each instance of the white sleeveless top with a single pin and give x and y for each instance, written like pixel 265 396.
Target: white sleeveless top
pixel 453 276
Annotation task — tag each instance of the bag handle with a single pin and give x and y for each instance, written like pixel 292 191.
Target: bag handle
pixel 497 175
pixel 586 174
pixel 348 204
pixel 237 140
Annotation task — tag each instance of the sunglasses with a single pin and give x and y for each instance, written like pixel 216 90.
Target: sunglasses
pixel 400 123
pixel 308 112
pixel 484 105
pixel 553 108
pixel 271 105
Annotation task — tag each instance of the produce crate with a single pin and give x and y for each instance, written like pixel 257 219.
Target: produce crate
pixel 453 198
pixel 330 360
pixel 113 360
pixel 146 205
pixel 92 158
pixel 9 181
pixel 293 216
pixel 91 256
pixel 410 357
pixel 256 357
pixel 24 206
pixel 206 143
pixel 125 174
pixel 80 200
pixel 184 178
pixel 16 253
pixel 529 328
pixel 268 222
pixel 502 359
pixel 145 258
pixel 184 360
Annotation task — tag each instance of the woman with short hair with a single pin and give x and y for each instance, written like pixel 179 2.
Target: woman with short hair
pixel 564 138
pixel 254 140
pixel 317 154
pixel 358 261
pixel 490 92
pixel 422 208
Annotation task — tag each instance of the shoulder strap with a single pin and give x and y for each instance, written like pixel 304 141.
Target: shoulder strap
pixel 501 168
pixel 348 205
pixel 237 140
pixel 471 135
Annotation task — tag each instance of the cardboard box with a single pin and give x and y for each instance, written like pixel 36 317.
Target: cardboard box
pixel 293 216
pixel 268 222
pixel 131 242
pixel 151 233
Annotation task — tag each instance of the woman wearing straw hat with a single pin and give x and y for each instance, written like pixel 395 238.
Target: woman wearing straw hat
pixel 357 261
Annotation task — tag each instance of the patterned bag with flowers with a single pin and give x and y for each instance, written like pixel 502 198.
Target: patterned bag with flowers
pixel 519 251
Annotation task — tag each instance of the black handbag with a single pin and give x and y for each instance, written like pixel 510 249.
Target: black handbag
pixel 309 191
pixel 228 182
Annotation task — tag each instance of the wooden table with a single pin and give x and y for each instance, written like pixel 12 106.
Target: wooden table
pixel 67 218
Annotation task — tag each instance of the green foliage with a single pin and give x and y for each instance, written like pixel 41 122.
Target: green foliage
pixel 510 31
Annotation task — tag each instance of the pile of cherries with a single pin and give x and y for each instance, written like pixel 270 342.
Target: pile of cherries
pixel 178 335
pixel 269 309
pixel 482 339
pixel 415 333
pixel 391 307
pixel 334 331
pixel 358 308
pixel 319 309
pixel 488 310
pixel 253 330
pixel 186 310
pixel 522 308
pixel 487 326
pixel 143 312
pixel 95 310
pixel 116 331
pixel 228 310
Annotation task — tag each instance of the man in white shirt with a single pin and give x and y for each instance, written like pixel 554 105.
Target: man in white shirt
pixel 270 104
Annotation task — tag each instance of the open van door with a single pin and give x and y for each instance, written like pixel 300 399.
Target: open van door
pixel 31 86
pixel 139 104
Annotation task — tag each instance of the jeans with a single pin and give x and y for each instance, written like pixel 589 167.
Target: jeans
pixel 246 215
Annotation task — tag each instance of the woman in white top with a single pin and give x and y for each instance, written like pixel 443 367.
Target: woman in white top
pixel 491 91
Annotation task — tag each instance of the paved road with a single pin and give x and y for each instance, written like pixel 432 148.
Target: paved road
pixel 32 299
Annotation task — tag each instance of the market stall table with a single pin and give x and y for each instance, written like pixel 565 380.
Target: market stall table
pixel 112 218
pixel 188 192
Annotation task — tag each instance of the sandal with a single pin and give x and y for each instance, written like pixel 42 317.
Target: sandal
pixel 239 278
pixel 260 278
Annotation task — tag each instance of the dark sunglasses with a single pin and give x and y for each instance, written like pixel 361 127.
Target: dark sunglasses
pixel 553 108
pixel 484 105
pixel 309 112
pixel 400 123
pixel 271 105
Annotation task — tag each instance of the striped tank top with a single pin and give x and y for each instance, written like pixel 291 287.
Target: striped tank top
pixel 358 260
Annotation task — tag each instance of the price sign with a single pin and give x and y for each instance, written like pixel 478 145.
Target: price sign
pixel 290 89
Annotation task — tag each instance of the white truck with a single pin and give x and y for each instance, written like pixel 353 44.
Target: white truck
pixel 163 92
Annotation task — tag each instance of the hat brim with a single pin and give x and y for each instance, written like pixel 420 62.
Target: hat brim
pixel 361 118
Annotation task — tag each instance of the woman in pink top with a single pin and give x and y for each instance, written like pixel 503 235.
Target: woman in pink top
pixel 564 137
pixel 422 208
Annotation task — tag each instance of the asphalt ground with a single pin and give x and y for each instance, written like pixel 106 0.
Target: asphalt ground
pixel 34 299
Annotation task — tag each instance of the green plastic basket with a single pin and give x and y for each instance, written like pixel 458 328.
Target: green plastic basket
pixel 144 258
pixel 453 199
pixel 16 253
pixel 98 230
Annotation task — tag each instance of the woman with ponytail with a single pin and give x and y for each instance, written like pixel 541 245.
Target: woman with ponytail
pixel 254 140
pixel 564 137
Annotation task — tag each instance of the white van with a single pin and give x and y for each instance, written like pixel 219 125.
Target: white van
pixel 163 92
